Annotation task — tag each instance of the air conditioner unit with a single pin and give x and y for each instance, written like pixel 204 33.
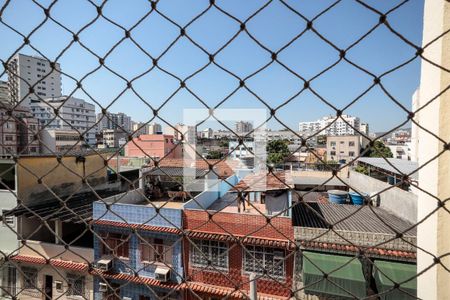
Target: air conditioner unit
pixel 104 264
pixel 102 287
pixel 162 274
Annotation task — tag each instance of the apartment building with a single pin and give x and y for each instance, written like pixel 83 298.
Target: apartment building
pixel 242 127
pixel 220 256
pixel 332 125
pixel 345 148
pixel 110 120
pixel 5 97
pixel 55 141
pixel 43 76
pixel 113 138
pixel 74 114
pixel 17 132
pixel 47 269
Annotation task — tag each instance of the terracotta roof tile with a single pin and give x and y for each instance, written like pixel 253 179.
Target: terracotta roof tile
pixel 137 226
pixel 137 279
pixel 249 240
pixel 350 248
pixel 265 182
pixel 70 265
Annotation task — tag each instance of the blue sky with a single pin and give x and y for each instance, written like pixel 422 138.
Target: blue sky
pixel 273 27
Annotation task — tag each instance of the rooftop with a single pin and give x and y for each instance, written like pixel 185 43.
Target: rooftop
pixel 349 218
pixel 222 167
pixel 265 182
pixel 395 165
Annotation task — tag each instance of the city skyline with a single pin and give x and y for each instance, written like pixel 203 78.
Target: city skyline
pixel 339 86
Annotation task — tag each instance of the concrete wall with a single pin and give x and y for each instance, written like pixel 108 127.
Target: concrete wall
pixel 57 275
pixel 395 200
pixel 206 198
pixel 432 234
pixel 61 178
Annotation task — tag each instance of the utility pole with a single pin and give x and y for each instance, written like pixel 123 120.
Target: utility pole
pixel 253 294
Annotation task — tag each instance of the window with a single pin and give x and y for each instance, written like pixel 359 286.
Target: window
pixel 8 176
pixel 116 244
pixel 257 259
pixel 351 144
pixel 29 278
pixel 9 138
pixel 215 252
pixel 333 144
pixel 7 220
pixel 9 278
pixel 351 153
pixel 75 285
pixel 154 250
pixel 332 152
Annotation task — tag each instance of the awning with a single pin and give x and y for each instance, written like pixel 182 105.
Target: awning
pixel 346 282
pixel 387 273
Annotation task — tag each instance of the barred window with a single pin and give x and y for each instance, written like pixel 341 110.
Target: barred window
pixel 29 278
pixel 213 251
pixel 257 259
pixel 116 244
pixel 76 285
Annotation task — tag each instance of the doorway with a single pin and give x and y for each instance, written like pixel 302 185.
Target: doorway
pixel 48 287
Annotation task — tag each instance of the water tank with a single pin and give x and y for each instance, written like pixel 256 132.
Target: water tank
pixel 357 199
pixel 337 196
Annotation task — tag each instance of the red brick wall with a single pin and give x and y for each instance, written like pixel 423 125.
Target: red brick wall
pixel 242 225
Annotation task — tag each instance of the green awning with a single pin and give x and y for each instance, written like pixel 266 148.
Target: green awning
pixel 387 273
pixel 345 275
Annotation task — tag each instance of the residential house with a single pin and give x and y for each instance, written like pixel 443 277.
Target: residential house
pixel 138 238
pixel 54 210
pixel 350 251
pixel 232 233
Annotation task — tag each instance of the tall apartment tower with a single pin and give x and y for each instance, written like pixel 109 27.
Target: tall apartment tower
pixel 26 71
pixel 242 127
pixel 4 93
pixel 114 121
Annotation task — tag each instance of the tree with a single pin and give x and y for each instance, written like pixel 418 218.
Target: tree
pixel 213 154
pixel 378 150
pixel 277 151
pixel 362 169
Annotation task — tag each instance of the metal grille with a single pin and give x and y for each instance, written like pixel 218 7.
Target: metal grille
pixel 137 244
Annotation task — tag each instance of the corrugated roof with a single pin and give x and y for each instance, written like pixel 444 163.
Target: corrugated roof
pixel 317 180
pixel 76 209
pixel 349 218
pixel 176 171
pixel 404 166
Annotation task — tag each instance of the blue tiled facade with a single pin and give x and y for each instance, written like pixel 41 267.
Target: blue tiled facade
pixel 139 214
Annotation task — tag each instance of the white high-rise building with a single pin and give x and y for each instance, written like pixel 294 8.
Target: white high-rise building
pixel 4 92
pixel 26 71
pixel 331 125
pixel 74 114
pixel 114 121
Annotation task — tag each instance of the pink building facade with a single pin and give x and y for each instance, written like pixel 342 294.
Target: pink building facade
pixel 153 145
